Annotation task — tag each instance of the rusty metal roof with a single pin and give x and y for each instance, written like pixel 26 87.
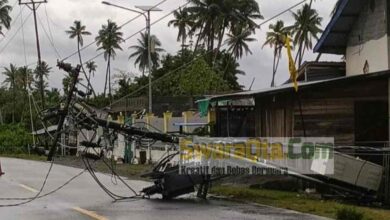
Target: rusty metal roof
pixel 302 86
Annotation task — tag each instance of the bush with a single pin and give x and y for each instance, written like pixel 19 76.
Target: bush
pixel 347 213
pixel 14 139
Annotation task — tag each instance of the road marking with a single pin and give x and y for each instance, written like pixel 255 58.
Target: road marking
pixel 28 188
pixel 89 213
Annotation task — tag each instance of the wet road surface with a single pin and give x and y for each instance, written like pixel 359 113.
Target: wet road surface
pixel 83 199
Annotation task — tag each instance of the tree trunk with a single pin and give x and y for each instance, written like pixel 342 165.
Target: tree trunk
pixel 14 103
pixel 199 37
pixel 83 70
pixel 109 78
pixel 105 82
pixel 273 68
pixel 220 39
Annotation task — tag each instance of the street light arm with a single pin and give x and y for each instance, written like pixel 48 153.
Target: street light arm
pixel 128 9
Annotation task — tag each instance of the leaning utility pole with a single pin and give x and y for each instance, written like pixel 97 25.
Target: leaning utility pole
pixel 34 5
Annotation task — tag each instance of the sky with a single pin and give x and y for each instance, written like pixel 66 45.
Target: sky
pixel 55 17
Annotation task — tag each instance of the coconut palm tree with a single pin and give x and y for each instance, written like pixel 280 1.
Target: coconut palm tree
pixel 5 18
pixel 141 52
pixel 41 71
pixel 91 66
pixel 78 31
pixel 214 17
pixel 24 78
pixel 306 27
pixel 276 40
pixel 108 40
pixel 10 82
pixel 184 23
pixel 238 42
pixel 23 81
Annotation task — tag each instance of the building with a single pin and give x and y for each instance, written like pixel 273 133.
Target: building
pixel 348 101
pixel 176 105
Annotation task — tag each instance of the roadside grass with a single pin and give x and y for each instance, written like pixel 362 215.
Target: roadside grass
pixel 128 170
pixel 296 202
pixel 25 156
pixel 132 171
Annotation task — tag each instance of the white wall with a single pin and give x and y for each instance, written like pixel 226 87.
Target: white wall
pixel 374 51
pixel 368 40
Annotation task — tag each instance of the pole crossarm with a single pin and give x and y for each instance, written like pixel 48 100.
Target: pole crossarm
pixel 21 2
pixel 146 13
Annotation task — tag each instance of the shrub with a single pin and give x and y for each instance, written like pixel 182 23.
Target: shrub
pixel 347 213
pixel 14 138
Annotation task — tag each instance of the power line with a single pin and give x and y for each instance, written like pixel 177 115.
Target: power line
pixel 124 24
pixel 50 39
pixel 23 37
pixel 141 30
pixel 48 24
pixel 14 35
pixel 13 22
pixel 186 65
pixel 39 192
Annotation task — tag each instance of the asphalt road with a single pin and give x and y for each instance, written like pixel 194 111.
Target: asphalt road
pixel 83 199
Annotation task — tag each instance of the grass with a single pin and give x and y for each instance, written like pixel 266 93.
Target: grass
pixel 297 202
pixel 25 156
pixel 131 171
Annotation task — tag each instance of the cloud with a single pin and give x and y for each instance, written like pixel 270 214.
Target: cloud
pixel 62 13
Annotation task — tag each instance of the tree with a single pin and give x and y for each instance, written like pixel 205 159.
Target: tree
pixel 5 18
pixel 228 68
pixel 171 72
pixel 23 81
pixel 25 78
pixel 184 23
pixel 78 31
pixel 91 66
pixel 276 40
pixel 124 82
pixel 10 81
pixel 214 17
pixel 237 43
pixel 200 79
pixel 306 27
pixel 141 52
pixel 108 40
pixel 41 71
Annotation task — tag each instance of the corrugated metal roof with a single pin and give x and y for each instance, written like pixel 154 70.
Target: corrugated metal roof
pixel 335 37
pixel 302 86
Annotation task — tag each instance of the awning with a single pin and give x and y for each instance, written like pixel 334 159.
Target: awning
pixel 335 37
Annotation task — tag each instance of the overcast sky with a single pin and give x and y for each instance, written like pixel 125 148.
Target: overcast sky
pixel 62 13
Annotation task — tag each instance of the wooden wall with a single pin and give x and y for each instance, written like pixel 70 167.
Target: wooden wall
pixel 327 111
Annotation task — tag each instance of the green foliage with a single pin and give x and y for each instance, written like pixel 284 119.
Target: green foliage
pixel 276 38
pixel 200 79
pixel 348 213
pixel 5 18
pixel 307 27
pixel 109 39
pixel 141 52
pixel 14 139
pixel 214 18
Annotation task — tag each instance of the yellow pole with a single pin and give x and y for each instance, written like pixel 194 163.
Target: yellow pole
pixel 121 119
pixel 167 119
pixel 149 117
pixel 211 118
pixel 133 118
pixel 187 116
